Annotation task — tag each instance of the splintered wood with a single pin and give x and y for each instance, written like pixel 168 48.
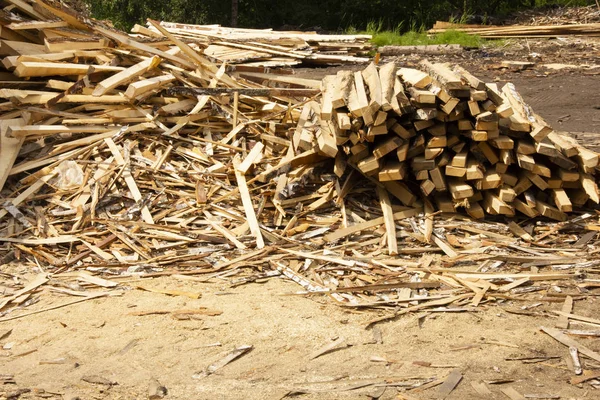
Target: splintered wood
pixel 467 145
pixel 125 157
pixel 519 31
pixel 264 47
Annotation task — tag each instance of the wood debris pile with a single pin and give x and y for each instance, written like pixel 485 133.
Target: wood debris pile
pixel 558 15
pixel 519 31
pixel 135 161
pixel 266 47
pixel 449 136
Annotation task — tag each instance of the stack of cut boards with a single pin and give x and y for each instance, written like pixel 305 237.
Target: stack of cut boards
pixel 441 133
pixel 266 48
pixel 518 31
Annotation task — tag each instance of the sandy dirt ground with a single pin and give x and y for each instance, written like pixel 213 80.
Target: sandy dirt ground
pixel 107 349
pixel 103 340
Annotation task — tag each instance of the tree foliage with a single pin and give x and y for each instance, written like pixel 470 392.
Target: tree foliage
pixel 330 15
pixel 125 13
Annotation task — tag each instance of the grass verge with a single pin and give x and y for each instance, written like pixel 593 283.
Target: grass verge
pixel 414 38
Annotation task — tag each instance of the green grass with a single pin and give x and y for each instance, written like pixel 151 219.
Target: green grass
pixel 415 38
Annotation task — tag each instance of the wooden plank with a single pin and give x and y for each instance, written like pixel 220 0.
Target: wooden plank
pixel 388 218
pixel 567 341
pixel 193 55
pixel 344 232
pixel 449 384
pixel 254 92
pixel 17 26
pixel 400 102
pixel 494 205
pixel 435 49
pixel 387 76
pixel 459 190
pixel 438 179
pixel 144 48
pixel 507 194
pixel 65 16
pixel 43 130
pixel 536 180
pixel 362 100
pixel 587 157
pixel 248 206
pixel 563 319
pixel 44 241
pixel 591 188
pixel 70 45
pixel 475 82
pixel 562 200
pixel 326 140
pixel 475 210
pixel 126 75
pixel 577 317
pixel 138 88
pixel 444 75
pixel 392 171
pixel 566 145
pixel 27 69
pixel 13 47
pixel 519 232
pixel 512 394
pixel 342 88
pixel 414 77
pixel 253 156
pixel 9 147
pixel 369 165
pixel 371 78
pixel 427 187
pixel 400 191
pixel 387 147
pixel 458 172
pixel 548 211
pixel 327 90
pixel 525 208
pixel 422 96
pixel 290 79
pixel 129 180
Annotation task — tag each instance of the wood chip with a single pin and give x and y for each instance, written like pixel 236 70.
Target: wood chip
pixel 449 384
pixel 231 356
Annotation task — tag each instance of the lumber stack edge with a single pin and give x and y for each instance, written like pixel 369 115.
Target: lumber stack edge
pixel 440 133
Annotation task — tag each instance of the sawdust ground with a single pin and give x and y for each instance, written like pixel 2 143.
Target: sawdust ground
pixel 100 337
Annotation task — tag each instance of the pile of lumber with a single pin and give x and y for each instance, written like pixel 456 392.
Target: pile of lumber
pixel 123 159
pixel 266 47
pixel 441 133
pixel 558 15
pixel 519 31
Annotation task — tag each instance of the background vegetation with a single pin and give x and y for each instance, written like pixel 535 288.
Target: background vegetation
pixel 329 15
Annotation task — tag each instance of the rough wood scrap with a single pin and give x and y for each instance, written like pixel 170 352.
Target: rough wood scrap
pixel 105 190
pixel 279 48
pixel 435 49
pixel 558 15
pixel 522 31
pixel 466 144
